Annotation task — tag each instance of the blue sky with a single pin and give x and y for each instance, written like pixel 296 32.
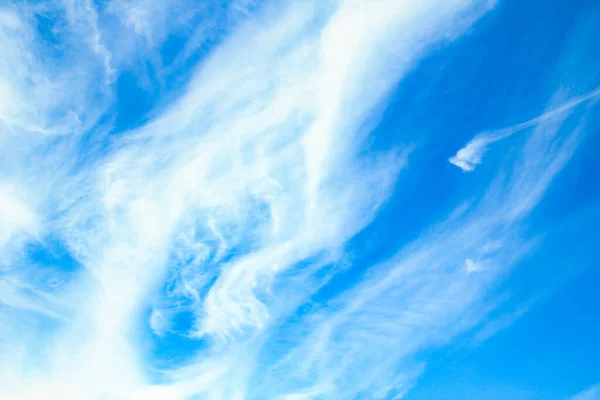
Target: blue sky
pixel 316 199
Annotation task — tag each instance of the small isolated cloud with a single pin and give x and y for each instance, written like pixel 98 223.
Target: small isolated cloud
pixel 469 156
pixel 471 266
pixel 472 154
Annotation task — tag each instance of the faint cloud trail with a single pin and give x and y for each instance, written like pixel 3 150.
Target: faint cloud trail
pixel 591 393
pixel 471 155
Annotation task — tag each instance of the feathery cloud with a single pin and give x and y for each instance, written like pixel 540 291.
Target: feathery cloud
pixel 471 155
pixel 216 224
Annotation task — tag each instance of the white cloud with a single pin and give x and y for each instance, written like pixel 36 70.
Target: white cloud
pixel 471 266
pixel 15 215
pixel 471 155
pixel 45 94
pixel 422 298
pixel 19 223
pixel 252 171
pixel 232 205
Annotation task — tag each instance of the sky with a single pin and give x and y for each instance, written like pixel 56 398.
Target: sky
pixel 299 199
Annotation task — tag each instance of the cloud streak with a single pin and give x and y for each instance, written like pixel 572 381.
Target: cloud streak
pixel 591 393
pixel 471 155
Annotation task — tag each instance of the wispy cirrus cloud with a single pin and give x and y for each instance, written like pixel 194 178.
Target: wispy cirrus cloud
pixel 471 155
pixel 426 287
pixel 591 393
pixel 231 208
pixel 49 95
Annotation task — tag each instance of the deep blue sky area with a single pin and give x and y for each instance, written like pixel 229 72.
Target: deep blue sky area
pixel 552 350
pixel 496 76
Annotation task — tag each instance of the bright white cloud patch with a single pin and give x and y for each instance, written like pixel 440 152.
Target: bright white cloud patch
pixel 208 231
pixel 15 216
